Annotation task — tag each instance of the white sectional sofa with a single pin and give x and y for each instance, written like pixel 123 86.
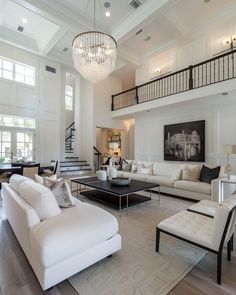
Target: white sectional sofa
pixel 165 174
pixel 59 246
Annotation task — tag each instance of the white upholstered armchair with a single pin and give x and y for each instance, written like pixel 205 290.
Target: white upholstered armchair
pixel 204 231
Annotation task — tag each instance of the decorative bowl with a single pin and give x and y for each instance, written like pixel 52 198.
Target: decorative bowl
pixel 120 181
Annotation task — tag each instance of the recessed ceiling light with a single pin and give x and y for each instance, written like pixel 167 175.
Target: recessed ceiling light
pixel 108 13
pixel 206 1
pixel 24 21
pixel 107 4
pixel 65 49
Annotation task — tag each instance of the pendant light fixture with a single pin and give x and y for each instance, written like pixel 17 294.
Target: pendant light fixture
pixel 94 53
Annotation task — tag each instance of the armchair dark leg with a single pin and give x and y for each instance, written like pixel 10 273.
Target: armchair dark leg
pixel 232 242
pixel 157 239
pixel 229 247
pixel 219 261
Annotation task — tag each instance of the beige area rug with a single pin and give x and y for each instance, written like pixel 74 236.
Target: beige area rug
pixel 137 269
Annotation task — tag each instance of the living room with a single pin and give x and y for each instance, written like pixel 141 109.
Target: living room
pixel 164 111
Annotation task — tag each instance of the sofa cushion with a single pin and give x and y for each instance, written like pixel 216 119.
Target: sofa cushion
pixel 191 173
pixel 40 198
pixel 134 176
pixel 162 180
pixel 197 187
pixel 176 175
pixel 191 226
pixel 145 170
pixel 162 168
pixel 16 180
pixel 208 174
pixel 74 231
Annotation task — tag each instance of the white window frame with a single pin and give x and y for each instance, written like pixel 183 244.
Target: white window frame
pixel 14 73
pixel 69 96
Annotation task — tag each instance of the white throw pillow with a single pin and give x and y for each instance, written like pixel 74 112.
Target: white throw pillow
pixel 176 175
pixel 192 174
pixel 40 198
pixel 134 168
pixel 145 171
pixel 16 180
pixel 39 179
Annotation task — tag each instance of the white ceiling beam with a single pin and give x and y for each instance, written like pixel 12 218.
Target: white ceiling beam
pixel 1 16
pixel 143 16
pixel 53 41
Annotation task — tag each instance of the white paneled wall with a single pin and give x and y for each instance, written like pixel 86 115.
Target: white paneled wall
pixel 220 128
pixel 41 102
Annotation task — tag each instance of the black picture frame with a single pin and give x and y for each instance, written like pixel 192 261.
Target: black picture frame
pixel 185 141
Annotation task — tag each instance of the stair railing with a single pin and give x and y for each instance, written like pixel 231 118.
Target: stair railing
pixel 97 158
pixel 69 137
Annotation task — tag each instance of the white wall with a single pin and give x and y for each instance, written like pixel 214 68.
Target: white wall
pixel 219 113
pixel 41 102
pixel 102 109
pixel 181 57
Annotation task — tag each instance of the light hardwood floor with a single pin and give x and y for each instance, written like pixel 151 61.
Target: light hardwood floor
pixel 17 277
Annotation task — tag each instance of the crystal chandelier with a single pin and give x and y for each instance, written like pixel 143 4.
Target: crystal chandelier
pixel 94 54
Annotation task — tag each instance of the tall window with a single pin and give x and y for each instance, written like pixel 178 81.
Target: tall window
pixel 16 138
pixel 12 70
pixel 24 145
pixel 69 98
pixel 5 146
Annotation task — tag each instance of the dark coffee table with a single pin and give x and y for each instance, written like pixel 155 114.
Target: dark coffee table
pixel 118 196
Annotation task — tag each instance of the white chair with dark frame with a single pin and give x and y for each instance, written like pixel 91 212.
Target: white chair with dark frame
pixel 210 233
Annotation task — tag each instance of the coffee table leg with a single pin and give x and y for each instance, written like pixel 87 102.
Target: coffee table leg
pixel 127 205
pixel 159 194
pixel 77 190
pixel 120 205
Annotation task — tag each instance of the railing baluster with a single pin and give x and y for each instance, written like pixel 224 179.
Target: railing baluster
pixel 214 70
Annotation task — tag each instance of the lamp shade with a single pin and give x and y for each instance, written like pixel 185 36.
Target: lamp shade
pixel 113 145
pixel 230 148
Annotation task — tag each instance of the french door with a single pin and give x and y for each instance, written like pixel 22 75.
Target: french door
pixel 16 144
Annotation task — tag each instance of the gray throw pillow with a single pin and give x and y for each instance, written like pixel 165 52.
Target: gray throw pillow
pixel 60 191
pixel 126 167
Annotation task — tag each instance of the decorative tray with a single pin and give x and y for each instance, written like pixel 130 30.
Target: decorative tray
pixel 120 181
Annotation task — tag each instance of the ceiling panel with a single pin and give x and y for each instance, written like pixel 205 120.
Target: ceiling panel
pixel 119 10
pixel 191 14
pixel 37 28
pixel 155 31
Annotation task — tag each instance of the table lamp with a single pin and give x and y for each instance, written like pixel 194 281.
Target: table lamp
pixel 230 149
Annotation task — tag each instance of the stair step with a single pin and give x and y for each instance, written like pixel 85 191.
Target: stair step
pixel 75 173
pixel 73 164
pixel 70 158
pixel 75 168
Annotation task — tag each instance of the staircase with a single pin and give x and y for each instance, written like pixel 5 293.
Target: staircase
pixel 70 138
pixel 74 166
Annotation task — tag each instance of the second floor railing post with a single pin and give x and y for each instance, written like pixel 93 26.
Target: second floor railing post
pixel 136 94
pixel 112 102
pixel 190 83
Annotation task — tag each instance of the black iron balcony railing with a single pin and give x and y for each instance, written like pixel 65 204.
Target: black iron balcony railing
pixel 211 71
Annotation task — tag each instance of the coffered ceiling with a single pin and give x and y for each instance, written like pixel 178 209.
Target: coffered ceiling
pixel 155 27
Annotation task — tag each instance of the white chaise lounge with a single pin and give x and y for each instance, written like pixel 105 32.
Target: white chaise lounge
pixel 59 246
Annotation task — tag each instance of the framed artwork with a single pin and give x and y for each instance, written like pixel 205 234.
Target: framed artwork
pixel 185 142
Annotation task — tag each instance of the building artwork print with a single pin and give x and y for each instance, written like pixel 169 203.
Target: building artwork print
pixel 185 142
